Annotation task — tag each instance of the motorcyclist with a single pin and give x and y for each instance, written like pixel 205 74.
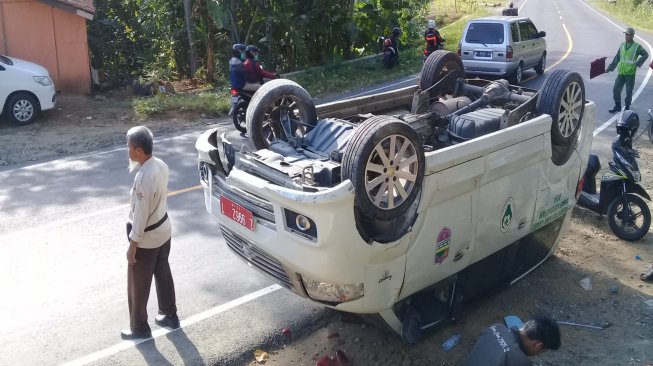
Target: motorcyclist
pixel 236 68
pixel 253 70
pixel 511 10
pixel 394 37
pixel 432 37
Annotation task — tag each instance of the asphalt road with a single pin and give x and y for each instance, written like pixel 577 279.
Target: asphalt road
pixel 62 233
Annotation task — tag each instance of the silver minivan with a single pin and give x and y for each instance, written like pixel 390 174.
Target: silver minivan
pixel 503 46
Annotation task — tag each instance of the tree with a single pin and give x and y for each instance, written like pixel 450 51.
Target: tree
pixel 190 25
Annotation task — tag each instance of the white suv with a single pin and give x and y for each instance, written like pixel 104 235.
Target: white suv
pixel 25 89
pixel 503 46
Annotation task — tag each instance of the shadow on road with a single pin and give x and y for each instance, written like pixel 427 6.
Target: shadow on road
pixel 151 354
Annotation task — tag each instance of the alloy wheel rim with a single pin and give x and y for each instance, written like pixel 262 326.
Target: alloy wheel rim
pixel 391 172
pixel 629 217
pixel 271 127
pixel 571 107
pixel 23 110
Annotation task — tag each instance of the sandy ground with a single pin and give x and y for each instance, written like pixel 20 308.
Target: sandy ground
pixel 81 123
pixel 588 249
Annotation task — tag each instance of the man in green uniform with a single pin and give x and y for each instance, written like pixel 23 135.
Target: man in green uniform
pixel 629 57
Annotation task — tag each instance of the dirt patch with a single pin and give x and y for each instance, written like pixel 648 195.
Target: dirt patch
pixel 588 249
pixel 82 123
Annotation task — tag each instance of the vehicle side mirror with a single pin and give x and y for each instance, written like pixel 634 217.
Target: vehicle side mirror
pixel 542 34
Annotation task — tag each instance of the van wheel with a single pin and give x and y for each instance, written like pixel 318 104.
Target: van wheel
pixel 411 326
pixel 517 75
pixel 385 162
pixel 562 96
pixel 436 66
pixel 22 109
pixel 539 68
pixel 273 101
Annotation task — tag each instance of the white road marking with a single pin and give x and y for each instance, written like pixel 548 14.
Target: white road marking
pixel 163 331
pixel 75 157
pixel 89 214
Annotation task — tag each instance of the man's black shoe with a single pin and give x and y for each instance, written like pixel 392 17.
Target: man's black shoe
pixel 615 109
pixel 139 334
pixel 627 107
pixel 170 321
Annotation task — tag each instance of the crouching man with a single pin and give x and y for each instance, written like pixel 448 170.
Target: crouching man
pixel 500 346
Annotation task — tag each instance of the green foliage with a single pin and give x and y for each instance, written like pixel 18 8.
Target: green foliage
pixel 213 103
pixel 147 37
pixel 131 38
pixel 636 13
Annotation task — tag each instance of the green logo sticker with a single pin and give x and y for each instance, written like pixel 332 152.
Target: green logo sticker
pixel 507 213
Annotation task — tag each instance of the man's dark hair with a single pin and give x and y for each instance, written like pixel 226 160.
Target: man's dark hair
pixel 141 136
pixel 544 329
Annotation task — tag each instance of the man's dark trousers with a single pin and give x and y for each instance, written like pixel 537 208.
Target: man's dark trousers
pixel 629 81
pixel 139 281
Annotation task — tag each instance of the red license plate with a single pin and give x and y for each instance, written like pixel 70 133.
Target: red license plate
pixel 237 212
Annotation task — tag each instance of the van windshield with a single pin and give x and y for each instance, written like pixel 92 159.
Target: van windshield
pixel 485 33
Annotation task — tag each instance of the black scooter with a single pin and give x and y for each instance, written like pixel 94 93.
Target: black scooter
pixel 620 195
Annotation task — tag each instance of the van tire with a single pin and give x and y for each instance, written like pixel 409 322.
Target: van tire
pixel 263 114
pixel 436 66
pixel 539 68
pixel 517 75
pixel 375 177
pixel 562 96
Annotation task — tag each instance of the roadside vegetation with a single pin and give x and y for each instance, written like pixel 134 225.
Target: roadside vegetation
pixel 635 13
pixel 320 81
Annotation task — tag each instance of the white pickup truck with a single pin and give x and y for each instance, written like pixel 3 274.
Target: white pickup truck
pixel 407 203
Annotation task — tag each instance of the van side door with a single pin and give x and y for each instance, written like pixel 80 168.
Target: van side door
pixel 530 42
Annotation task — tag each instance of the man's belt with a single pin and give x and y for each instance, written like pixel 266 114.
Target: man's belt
pixel 158 223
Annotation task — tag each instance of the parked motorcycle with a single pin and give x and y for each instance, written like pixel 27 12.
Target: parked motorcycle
pixel 239 102
pixel 620 194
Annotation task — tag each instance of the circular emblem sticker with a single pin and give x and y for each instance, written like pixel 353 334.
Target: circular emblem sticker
pixel 507 213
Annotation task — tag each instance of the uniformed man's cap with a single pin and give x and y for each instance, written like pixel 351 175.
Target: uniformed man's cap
pixel 630 31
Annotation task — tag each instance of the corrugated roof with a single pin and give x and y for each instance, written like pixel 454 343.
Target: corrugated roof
pixel 85 5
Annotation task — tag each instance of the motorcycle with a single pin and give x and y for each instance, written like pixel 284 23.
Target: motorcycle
pixel 620 194
pixel 239 102
pixel 388 51
pixel 428 50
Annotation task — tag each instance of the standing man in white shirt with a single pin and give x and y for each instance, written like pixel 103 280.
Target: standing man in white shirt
pixel 149 232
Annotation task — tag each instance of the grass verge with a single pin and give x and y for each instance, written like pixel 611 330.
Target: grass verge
pixel 635 13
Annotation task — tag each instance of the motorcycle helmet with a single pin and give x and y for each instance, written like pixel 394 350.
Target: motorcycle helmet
pixel 396 31
pixel 237 49
pixel 387 42
pixel 431 24
pixel 628 124
pixel 250 50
